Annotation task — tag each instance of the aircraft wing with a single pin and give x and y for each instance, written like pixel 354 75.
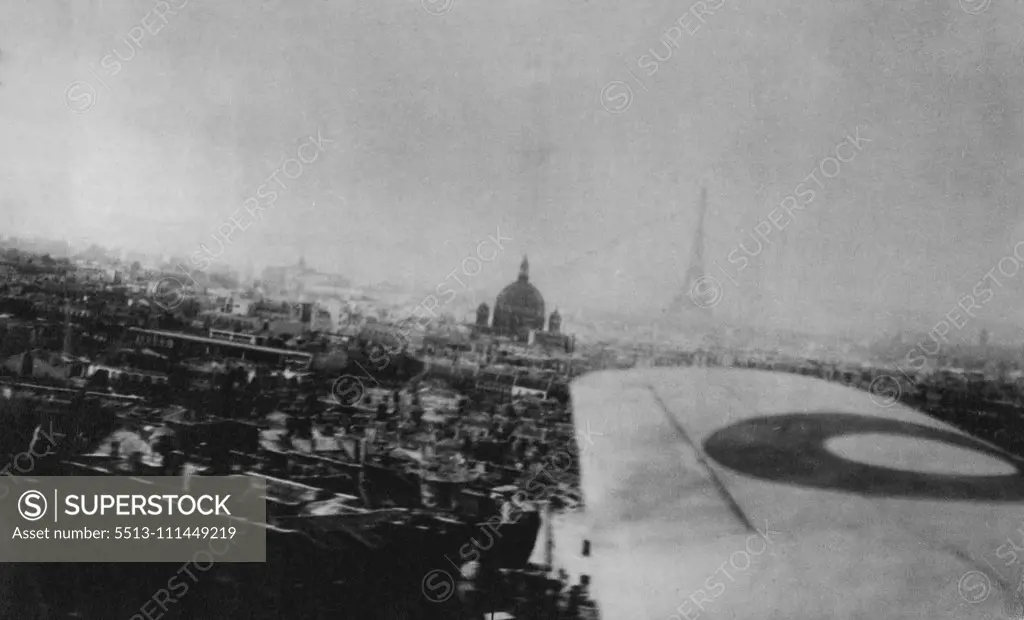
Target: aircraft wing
pixel 742 494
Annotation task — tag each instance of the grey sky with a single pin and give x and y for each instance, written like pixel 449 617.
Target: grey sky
pixel 446 126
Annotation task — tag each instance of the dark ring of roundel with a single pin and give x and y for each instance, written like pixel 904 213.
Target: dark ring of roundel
pixel 790 448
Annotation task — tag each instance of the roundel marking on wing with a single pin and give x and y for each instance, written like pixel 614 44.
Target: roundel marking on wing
pixel 793 449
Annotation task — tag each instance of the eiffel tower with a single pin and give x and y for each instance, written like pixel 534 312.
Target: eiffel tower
pixel 700 293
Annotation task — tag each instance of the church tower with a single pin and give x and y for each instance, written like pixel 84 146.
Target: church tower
pixel 524 270
pixel 555 322
pixel 483 315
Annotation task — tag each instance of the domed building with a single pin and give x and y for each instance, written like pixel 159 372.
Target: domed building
pixel 519 306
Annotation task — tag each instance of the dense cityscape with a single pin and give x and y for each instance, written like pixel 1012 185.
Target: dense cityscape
pixel 385 438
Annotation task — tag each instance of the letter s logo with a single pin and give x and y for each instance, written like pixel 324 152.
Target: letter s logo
pixel 616 97
pixel 79 97
pixel 438 586
pixel 32 505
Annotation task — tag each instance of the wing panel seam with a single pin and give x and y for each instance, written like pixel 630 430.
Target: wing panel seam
pixel 722 490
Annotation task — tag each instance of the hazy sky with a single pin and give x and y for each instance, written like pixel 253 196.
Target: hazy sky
pixel 491 115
